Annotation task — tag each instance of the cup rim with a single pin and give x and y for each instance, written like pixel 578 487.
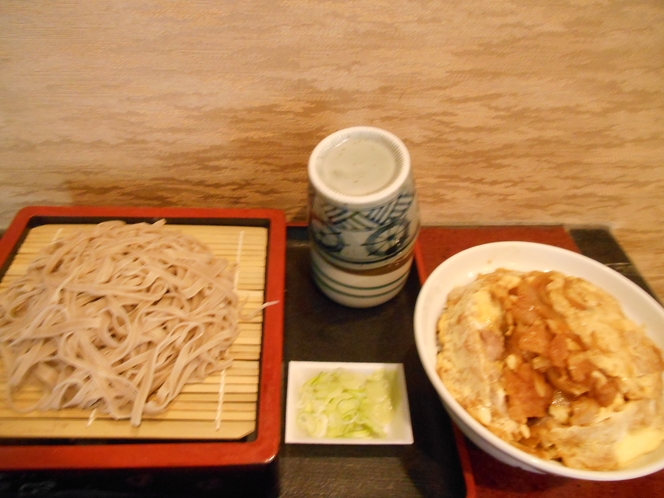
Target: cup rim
pixel 375 197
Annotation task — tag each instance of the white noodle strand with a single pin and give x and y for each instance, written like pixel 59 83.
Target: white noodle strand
pixel 220 400
pixel 237 259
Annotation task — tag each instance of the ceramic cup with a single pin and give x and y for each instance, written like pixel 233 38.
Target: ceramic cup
pixel 363 215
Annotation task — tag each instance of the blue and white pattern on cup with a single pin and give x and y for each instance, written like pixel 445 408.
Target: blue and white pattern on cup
pixel 365 236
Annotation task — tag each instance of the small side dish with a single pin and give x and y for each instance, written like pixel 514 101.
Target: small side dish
pixel 347 403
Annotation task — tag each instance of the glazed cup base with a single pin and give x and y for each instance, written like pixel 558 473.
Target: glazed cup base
pixel 358 289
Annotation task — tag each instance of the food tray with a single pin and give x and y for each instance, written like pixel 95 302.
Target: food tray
pixel 320 330
pixel 240 407
pixel 441 462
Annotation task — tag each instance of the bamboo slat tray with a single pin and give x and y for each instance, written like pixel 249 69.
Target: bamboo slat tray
pixel 226 406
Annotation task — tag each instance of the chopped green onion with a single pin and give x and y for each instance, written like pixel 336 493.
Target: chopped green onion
pixel 345 404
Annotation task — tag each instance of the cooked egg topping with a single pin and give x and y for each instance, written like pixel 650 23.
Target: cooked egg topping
pixel 551 364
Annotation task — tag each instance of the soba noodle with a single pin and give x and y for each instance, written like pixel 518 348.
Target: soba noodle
pixel 118 319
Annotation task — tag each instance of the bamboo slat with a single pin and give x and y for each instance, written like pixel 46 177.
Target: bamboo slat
pixel 224 406
pixel 111 429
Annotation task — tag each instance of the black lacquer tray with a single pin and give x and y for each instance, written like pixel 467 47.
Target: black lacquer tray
pixel 317 329
pixel 439 463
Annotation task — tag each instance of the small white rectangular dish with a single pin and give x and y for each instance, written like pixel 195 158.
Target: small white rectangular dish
pixel 398 431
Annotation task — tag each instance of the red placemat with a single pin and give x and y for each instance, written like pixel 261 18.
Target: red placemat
pixel 485 476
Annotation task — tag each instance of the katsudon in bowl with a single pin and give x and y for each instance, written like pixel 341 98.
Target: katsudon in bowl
pixel 546 359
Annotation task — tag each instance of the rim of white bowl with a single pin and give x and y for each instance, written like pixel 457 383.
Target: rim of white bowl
pixel 472 423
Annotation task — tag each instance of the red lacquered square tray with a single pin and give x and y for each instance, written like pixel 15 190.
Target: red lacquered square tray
pixel 258 448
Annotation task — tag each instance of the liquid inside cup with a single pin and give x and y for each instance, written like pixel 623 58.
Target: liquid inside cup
pixel 358 166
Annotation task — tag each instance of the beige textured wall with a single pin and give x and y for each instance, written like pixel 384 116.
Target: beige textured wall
pixel 514 112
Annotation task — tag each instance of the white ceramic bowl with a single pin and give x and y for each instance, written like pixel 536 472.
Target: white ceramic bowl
pixel 462 269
